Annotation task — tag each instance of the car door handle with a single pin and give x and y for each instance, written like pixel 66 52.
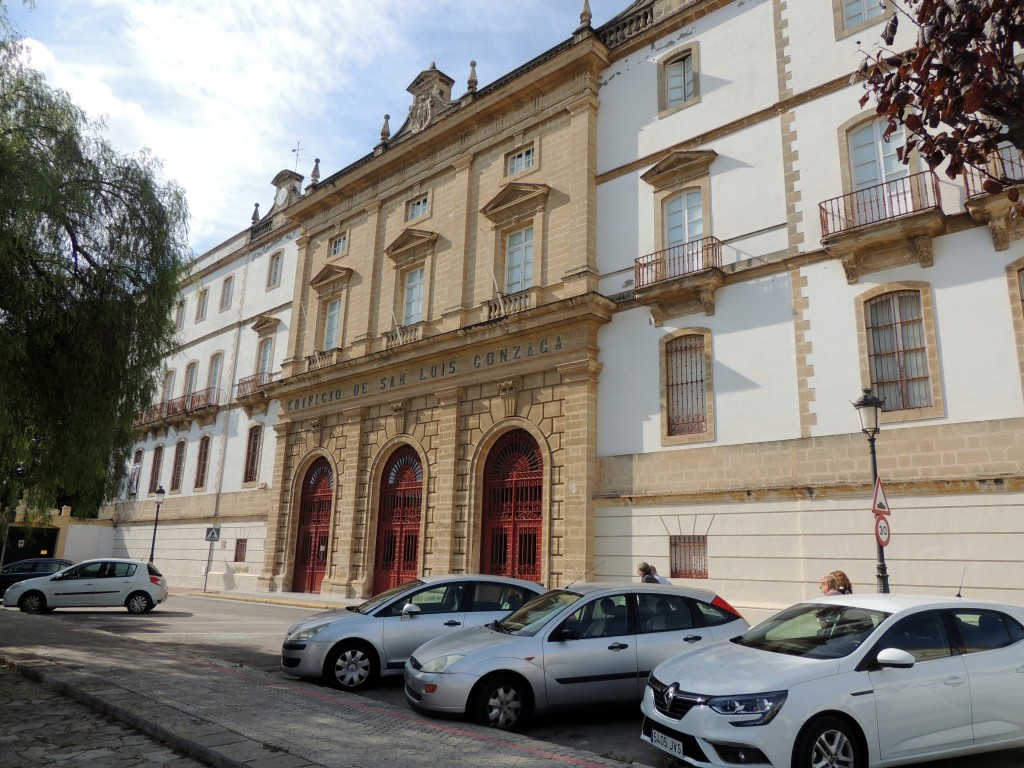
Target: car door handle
pixel 617 647
pixel 453 623
pixel 955 680
pixel 692 639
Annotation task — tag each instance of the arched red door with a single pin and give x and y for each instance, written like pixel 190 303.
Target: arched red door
pixel 398 526
pixel 513 514
pixel 314 528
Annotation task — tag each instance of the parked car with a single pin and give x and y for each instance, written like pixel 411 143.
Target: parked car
pixel 30 569
pixel 588 644
pixel 350 648
pixel 849 681
pixel 104 582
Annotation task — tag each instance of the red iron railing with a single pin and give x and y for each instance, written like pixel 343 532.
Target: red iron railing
pixel 1006 164
pixel 679 260
pixel 251 384
pixel 882 202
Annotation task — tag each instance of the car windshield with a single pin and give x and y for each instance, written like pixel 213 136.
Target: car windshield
pixel 377 601
pixel 532 616
pixel 814 630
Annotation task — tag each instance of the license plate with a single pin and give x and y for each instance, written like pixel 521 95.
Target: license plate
pixel 670 745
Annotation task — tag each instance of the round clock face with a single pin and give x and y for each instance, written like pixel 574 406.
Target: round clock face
pixel 282 195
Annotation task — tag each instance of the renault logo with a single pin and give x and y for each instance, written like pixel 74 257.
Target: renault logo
pixel 670 694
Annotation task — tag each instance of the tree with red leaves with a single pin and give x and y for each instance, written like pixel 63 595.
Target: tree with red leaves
pixel 959 93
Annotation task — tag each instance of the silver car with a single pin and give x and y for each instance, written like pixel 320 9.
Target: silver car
pixel 588 644
pixel 350 647
pixel 105 582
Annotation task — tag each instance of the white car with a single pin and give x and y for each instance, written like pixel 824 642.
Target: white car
pixel 585 644
pixel 847 682
pixel 104 582
pixel 350 648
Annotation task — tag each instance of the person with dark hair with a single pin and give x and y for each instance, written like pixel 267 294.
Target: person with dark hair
pixel 643 570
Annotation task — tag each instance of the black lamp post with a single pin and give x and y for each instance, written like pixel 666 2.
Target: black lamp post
pixel 868 407
pixel 156 520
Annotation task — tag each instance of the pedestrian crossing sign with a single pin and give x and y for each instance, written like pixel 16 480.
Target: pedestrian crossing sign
pixel 213 534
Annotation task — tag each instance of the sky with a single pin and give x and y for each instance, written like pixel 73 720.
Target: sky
pixel 223 92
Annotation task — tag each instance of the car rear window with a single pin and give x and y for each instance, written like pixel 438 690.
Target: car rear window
pixel 153 570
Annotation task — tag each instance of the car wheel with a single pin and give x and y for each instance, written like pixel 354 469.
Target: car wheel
pixel 502 702
pixel 350 666
pixel 32 602
pixel 827 742
pixel 138 602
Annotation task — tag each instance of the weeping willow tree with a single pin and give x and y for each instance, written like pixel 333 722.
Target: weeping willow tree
pixel 92 247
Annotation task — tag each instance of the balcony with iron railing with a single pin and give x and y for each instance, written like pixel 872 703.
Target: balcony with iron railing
pixel 988 194
pixel 180 409
pixel 254 385
pixel 259 230
pixel 680 279
pixel 884 225
pixel 402 334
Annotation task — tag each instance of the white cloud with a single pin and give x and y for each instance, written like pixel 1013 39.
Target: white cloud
pixel 222 92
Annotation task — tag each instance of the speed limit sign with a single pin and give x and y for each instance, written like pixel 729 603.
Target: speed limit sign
pixel 883 530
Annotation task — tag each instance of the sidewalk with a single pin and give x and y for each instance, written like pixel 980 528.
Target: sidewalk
pixel 230 716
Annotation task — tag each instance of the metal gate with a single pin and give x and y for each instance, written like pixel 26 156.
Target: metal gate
pixel 314 528
pixel 513 513
pixel 398 527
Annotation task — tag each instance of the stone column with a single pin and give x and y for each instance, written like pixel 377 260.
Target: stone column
pixel 275 548
pixel 449 519
pixel 352 567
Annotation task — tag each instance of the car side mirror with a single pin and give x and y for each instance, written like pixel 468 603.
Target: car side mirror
pixel 409 610
pixel 567 633
pixel 895 658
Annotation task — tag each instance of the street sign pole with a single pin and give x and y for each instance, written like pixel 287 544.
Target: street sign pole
pixel 212 536
pixel 882 572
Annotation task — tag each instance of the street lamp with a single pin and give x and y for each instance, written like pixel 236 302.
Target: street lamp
pixel 156 520
pixel 868 407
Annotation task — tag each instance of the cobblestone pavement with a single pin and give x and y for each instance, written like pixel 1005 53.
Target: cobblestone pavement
pixel 40 727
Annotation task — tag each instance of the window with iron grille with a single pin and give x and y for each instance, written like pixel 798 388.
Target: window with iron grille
pixel 202 461
pixel 685 385
pixel 689 557
pixel 252 455
pixel 897 352
pixel 240 547
pixel 179 465
pixel 154 472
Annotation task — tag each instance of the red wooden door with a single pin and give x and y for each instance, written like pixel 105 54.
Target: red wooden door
pixel 513 513
pixel 314 528
pixel 398 526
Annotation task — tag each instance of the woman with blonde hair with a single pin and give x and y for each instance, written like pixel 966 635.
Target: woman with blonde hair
pixel 835 583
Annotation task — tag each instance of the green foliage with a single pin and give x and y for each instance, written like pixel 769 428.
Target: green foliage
pixel 92 248
pixel 960 91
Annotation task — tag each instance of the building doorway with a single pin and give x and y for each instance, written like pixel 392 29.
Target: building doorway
pixel 398 527
pixel 513 513
pixel 314 527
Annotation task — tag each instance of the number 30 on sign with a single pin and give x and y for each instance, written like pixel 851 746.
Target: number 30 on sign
pixel 883 530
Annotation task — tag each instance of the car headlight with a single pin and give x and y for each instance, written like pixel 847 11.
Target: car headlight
pixel 308 633
pixel 14 587
pixel 441 663
pixel 767 705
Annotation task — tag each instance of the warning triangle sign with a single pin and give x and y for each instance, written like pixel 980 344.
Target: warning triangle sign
pixel 880 505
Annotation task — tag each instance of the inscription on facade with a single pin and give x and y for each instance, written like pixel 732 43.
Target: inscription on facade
pixel 441 369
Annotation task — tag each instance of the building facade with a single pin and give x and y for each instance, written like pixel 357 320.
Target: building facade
pixel 209 441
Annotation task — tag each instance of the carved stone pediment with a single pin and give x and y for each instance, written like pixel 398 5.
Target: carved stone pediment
pixel 679 167
pixel 516 199
pixel 411 245
pixel 330 278
pixel 265 325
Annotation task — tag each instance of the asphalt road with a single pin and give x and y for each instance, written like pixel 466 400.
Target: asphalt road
pixel 250 634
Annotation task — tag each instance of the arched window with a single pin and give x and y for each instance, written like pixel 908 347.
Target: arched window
pixel 513 512
pixel 398 525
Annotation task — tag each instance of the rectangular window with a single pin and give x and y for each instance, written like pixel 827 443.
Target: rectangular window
pixel 519 260
pixel 133 478
pixel 154 472
pixel 179 315
pixel 684 219
pixel 519 161
pixel 416 208
pixel 168 390
pixel 274 271
pixel 240 547
pixel 202 299
pixel 266 360
pixel 897 353
pixel 858 12
pixel 679 80
pixel 339 245
pixel 179 465
pixel 252 455
pixel 202 462
pixel 332 321
pixel 413 297
pixel 216 364
pixel 686 390
pixel 689 557
pixel 225 293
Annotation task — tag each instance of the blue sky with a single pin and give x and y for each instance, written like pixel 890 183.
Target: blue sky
pixel 222 91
